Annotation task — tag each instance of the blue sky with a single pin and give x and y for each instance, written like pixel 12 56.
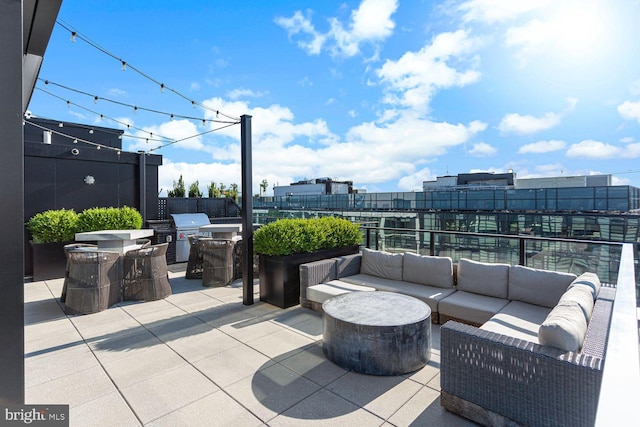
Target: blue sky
pixel 386 93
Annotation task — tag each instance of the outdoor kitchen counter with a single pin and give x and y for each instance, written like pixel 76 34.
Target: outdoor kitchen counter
pixel 119 241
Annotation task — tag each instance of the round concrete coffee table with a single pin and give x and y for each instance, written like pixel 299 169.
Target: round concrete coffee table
pixel 379 333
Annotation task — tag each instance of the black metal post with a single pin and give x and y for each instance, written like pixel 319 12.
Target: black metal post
pixel 247 210
pixel 12 208
pixel 142 178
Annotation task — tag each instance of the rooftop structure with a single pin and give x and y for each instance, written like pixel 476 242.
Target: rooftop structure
pixel 509 180
pixel 314 187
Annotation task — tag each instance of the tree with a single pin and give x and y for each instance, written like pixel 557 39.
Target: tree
pixel 194 190
pixel 178 189
pixel 213 190
pixel 263 186
pixel 232 193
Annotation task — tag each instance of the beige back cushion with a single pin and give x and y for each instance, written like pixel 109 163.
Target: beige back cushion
pixel 428 270
pixel 566 325
pixel 564 328
pixel 539 287
pixel 483 278
pixel 381 264
pixel 589 281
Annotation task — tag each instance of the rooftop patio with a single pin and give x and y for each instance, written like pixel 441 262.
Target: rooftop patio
pixel 201 357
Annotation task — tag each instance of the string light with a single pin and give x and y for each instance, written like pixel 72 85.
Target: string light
pixel 107 117
pixel 123 104
pixel 125 64
pixel 75 139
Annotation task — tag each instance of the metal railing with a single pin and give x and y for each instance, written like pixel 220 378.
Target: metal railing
pixel 613 262
pixel 558 254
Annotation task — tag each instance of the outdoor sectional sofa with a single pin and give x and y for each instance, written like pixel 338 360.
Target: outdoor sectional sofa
pixel 519 346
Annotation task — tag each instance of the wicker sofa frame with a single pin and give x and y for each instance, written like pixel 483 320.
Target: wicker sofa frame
pixel 499 380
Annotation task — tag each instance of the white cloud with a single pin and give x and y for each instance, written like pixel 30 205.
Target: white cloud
pixel 370 24
pixel 370 153
pixel 526 124
pixel 167 132
pixel 414 181
pixel 594 150
pixel 542 147
pixel 244 93
pixel 482 149
pixel 413 79
pixel 118 92
pixel 630 110
pixel 492 11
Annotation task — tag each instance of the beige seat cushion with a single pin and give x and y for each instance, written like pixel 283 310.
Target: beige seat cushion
pixel 322 292
pixel 381 264
pixel 429 294
pixel 518 320
pixel 470 307
pixel 428 270
pixel 483 278
pixel 539 287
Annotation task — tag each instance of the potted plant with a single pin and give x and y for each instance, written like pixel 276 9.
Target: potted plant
pixel 50 231
pixel 94 219
pixel 283 245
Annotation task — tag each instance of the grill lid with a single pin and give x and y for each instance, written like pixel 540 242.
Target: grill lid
pixel 190 220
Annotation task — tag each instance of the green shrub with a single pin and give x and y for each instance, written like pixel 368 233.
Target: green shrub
pixel 296 236
pixel 95 219
pixel 53 226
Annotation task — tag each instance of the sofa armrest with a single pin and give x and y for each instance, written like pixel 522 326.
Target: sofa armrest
pixel 520 380
pixel 595 341
pixel 348 265
pixel 314 273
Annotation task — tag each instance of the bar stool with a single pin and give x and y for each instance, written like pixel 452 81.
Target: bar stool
pixel 145 274
pixel 218 261
pixel 143 243
pixel 94 281
pixel 194 263
pixel 68 248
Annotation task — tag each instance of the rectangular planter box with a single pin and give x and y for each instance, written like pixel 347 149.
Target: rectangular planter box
pixel 280 275
pixel 48 260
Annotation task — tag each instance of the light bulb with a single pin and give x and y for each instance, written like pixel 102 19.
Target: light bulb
pixel 124 66
pixel 75 141
pixel 60 125
pixel 95 99
pixel 99 147
pixel 91 131
pixel 73 36
pixel 162 87
pixel 171 117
